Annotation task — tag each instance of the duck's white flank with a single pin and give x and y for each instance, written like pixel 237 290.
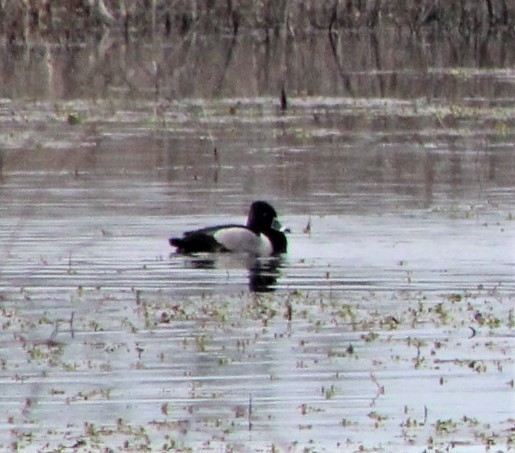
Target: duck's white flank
pixel 236 239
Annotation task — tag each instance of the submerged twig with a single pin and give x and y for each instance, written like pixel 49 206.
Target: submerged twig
pixel 54 332
pixel 380 389
pixel 250 411
pixel 307 228
pixel 284 100
pixel 289 310
pixel 72 331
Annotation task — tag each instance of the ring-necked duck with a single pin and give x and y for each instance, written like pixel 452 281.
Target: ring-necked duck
pixel 261 236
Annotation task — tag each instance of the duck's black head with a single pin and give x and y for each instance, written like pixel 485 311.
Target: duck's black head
pixel 261 217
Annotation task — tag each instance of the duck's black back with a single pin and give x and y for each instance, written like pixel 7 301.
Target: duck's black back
pixel 202 240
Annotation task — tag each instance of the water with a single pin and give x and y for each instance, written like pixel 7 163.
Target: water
pixel 386 315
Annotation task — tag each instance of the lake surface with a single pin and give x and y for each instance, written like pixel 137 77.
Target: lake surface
pixel 387 326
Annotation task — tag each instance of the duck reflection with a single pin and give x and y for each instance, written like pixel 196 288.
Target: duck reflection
pixel 262 272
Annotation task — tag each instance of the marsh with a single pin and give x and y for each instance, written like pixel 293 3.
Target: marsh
pixel 387 325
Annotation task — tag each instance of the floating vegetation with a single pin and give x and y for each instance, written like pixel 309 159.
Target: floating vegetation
pixel 222 333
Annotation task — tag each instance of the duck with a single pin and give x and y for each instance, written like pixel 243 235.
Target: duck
pixel 260 237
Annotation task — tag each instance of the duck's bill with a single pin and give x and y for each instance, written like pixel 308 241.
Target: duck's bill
pixel 276 225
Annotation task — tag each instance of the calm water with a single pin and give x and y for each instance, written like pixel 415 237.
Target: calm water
pixel 400 291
